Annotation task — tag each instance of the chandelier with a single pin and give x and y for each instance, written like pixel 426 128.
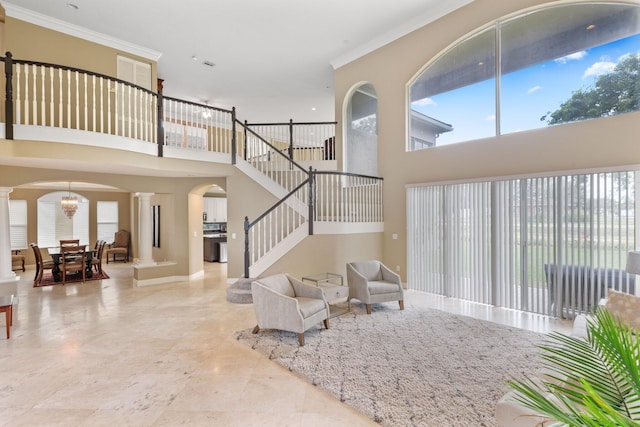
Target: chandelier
pixel 69 204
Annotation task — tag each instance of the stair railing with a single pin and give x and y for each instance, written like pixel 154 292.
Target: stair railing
pixel 301 141
pixel 347 197
pixel 270 161
pixel 276 224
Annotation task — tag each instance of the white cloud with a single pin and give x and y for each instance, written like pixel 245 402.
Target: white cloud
pixel 599 68
pixel 573 57
pixel 424 102
pixel 491 118
pixel 534 89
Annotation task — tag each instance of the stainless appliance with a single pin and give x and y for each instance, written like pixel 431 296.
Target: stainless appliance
pixel 214 241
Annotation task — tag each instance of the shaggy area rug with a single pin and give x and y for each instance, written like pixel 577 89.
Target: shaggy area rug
pixel 47 278
pixel 417 367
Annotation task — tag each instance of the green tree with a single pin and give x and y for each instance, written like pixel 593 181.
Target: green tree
pixel 613 93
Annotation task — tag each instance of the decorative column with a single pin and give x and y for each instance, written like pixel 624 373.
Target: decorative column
pixel 8 279
pixel 145 229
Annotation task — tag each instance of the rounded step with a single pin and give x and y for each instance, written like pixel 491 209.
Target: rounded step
pixel 239 296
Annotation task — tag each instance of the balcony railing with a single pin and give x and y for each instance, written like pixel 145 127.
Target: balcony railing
pixel 57 96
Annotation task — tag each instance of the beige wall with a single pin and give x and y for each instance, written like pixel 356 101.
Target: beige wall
pixel 329 253
pixel 603 143
pixel 31 42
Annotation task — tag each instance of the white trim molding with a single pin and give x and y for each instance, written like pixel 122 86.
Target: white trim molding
pixel 41 20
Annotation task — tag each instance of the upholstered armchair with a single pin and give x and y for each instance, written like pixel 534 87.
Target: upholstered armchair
pixel 285 303
pixel 120 246
pixel 17 261
pixel 371 282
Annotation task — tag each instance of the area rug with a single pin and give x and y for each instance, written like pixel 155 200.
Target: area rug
pixel 417 367
pixel 47 278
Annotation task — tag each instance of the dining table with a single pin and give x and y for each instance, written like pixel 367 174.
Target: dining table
pixel 56 256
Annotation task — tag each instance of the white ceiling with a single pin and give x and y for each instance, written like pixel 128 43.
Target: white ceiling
pixel 274 58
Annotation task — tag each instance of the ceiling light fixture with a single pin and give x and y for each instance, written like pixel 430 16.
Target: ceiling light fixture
pixel 194 57
pixel 69 204
pixel 591 27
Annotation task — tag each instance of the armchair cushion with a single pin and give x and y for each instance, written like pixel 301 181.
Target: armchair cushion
pixel 370 270
pixel 376 288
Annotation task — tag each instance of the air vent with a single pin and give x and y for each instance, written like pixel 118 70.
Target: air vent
pixel 209 64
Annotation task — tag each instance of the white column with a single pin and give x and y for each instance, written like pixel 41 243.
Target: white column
pixel 145 229
pixel 8 279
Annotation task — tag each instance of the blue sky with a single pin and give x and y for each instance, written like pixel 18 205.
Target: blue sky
pixel 527 94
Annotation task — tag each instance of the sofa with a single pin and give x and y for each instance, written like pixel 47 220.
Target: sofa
pixel 591 283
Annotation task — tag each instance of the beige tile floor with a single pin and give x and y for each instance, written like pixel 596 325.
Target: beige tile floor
pixel 108 353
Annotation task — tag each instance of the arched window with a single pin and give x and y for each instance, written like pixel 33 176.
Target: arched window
pixel 557 64
pixel 361 146
pixel 53 223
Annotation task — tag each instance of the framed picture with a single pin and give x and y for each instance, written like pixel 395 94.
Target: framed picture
pixel 156 226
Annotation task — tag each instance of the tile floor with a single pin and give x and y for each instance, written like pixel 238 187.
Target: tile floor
pixel 108 353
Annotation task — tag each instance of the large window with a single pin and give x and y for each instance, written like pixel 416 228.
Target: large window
pixel 107 216
pixel 18 224
pixel 557 65
pixel 54 225
pixel 361 147
pixel 500 242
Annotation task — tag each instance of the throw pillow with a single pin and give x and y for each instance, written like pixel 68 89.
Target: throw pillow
pixel 625 307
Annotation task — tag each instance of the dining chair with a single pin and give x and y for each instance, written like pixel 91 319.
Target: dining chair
pixel 72 260
pixel 96 262
pixel 41 264
pixel 69 242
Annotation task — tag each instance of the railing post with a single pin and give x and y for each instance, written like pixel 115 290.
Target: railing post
pixel 160 140
pixel 291 139
pixel 246 247
pixel 312 199
pixel 234 140
pixel 246 142
pixel 8 102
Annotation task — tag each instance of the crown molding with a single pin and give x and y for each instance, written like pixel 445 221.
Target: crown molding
pixel 434 13
pixel 41 20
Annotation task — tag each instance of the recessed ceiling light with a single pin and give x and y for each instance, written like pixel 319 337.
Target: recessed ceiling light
pixel 194 57
pixel 72 6
pixel 313 108
pixel 591 27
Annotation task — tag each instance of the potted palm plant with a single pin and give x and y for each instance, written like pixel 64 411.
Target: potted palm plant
pixel 592 382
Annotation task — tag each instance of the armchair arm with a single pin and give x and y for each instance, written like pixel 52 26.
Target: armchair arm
pixel 357 283
pixel 390 276
pixel 306 290
pixel 275 310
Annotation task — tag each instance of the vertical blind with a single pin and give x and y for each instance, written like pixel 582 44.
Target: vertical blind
pixel 18 224
pixel 107 217
pixel 549 245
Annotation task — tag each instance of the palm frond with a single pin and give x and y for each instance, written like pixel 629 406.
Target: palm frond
pixel 592 382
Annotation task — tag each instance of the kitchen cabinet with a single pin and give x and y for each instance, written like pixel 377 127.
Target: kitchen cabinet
pixel 215 208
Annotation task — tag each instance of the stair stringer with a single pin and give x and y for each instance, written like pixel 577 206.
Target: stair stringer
pixel 279 250
pixel 272 187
